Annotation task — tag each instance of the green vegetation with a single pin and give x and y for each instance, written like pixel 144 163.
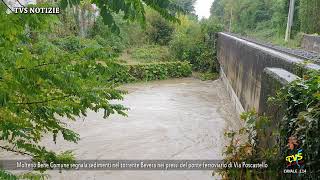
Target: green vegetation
pixel 190 40
pixel 267 20
pixel 309 16
pixel 131 10
pixel 64 65
pixel 301 101
pixel 195 42
pixel 151 71
pixel 186 5
pixel 146 54
pixel 55 66
pixel 209 76
pixel 206 76
pixel 159 30
pixel 244 147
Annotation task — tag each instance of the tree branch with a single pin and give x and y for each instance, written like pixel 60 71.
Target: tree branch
pixel 41 65
pixel 16 151
pixel 44 101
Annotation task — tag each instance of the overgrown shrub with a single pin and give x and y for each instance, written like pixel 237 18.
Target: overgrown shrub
pixel 150 53
pixel 131 34
pixel 152 71
pixel 310 16
pixel 195 43
pixel 42 82
pixel 243 147
pixel 159 30
pixel 298 130
pixel 264 19
pixel 209 76
pixel 301 121
pixel 85 48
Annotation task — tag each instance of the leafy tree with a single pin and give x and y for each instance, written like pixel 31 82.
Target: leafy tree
pixel 217 9
pixel 186 5
pixel 195 42
pixel 159 30
pixel 310 16
pixel 132 9
pixel 43 80
pixel 262 17
pixel 104 35
pixel 301 103
pixel 40 82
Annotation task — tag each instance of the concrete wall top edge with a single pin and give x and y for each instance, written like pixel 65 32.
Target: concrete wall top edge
pixel 286 57
pixel 281 75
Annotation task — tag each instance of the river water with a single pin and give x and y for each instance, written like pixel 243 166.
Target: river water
pixel 171 119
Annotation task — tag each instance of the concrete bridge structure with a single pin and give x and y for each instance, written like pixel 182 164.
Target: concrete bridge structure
pixel 252 72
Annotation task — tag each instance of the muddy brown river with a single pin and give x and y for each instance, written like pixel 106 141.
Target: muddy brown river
pixel 171 119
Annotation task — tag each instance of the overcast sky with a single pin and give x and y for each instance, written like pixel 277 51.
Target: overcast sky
pixel 203 8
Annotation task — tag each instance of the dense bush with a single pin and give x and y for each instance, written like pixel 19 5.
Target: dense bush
pixel 195 42
pixel 131 34
pixel 263 19
pixel 159 30
pixel 85 48
pixel 278 23
pixel 243 147
pixel 300 127
pixel 152 71
pixel 42 82
pixel 186 5
pixel 47 74
pixel 310 16
pixel 150 53
pixel 208 76
pixel 302 115
pixel 70 43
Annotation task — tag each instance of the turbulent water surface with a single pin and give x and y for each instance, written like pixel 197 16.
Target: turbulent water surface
pixel 172 119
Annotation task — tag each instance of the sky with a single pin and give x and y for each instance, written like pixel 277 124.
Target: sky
pixel 202 8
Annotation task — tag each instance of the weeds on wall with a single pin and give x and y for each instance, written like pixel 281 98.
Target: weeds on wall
pixel 244 147
pixel 301 121
pixel 298 130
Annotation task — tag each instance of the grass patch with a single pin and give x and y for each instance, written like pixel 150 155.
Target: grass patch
pixel 207 76
pixel 127 73
pixel 146 54
pixel 270 35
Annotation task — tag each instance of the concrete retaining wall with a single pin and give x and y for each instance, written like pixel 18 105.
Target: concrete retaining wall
pixel 242 66
pixel 273 79
pixel 311 43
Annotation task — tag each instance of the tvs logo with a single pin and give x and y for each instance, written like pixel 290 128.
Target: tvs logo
pixel 295 159
pixel 295 162
pixel 18 7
